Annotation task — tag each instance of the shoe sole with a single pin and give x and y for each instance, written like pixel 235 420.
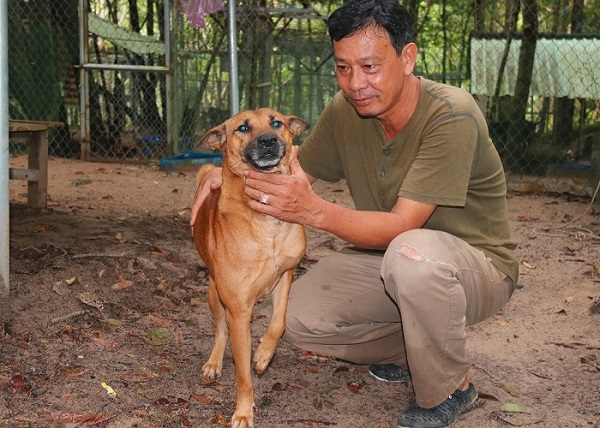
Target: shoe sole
pixel 468 407
pixel 387 380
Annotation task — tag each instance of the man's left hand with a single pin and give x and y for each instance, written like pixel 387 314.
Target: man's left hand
pixel 290 198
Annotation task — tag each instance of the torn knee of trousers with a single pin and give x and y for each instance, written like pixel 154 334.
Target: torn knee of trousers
pixel 410 253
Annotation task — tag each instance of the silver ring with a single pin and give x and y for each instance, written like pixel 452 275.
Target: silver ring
pixel 264 199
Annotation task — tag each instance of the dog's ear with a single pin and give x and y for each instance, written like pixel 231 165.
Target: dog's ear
pixel 297 125
pixel 214 139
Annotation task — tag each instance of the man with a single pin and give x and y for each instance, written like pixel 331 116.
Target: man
pixel 431 247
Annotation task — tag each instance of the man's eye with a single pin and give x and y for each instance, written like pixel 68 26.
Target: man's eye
pixel 243 128
pixel 276 124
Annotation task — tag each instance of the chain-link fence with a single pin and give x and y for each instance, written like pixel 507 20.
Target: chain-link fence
pixel 158 77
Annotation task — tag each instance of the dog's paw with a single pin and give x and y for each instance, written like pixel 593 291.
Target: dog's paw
pixel 262 358
pixel 211 372
pixel 241 420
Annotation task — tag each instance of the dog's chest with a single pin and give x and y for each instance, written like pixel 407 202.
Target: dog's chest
pixel 283 242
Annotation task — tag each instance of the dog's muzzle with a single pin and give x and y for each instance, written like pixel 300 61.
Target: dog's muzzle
pixel 264 152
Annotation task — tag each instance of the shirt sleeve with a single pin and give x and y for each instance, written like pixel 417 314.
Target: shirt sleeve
pixel 441 171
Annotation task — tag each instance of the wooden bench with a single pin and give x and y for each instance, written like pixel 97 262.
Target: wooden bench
pixel 36 173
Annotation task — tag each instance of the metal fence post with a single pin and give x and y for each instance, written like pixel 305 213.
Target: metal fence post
pixel 84 91
pixel 4 195
pixel 234 91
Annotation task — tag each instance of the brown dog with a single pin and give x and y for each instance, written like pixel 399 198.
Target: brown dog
pixel 248 254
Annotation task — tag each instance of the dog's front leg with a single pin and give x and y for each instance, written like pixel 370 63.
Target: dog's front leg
pixel 241 348
pixel 268 342
pixel 213 367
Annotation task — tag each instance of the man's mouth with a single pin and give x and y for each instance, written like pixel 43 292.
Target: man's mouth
pixel 361 101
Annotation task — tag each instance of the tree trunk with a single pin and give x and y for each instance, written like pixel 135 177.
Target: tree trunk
pixel 523 83
pixel 444 41
pixel 510 25
pixel 479 16
pixel 564 107
pixel 412 6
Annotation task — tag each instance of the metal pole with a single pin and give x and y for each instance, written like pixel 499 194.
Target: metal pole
pixel 234 89
pixel 84 93
pixel 172 137
pixel 4 195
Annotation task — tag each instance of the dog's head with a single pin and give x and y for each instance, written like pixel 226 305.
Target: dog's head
pixel 259 139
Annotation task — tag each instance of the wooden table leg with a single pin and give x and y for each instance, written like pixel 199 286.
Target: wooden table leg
pixel 37 191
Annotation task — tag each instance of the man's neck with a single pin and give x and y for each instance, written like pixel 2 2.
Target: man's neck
pixel 396 121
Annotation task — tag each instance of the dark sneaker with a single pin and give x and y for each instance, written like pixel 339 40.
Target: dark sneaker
pixel 441 416
pixel 389 373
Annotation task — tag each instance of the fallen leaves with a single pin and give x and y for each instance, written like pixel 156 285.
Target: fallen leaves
pixel 169 400
pixel 141 375
pixel 592 360
pixel 63 288
pixel 78 417
pixel 18 384
pixel 42 228
pixel 574 345
pixel 204 399
pixel 509 388
pixel 513 408
pixel 71 281
pixel 122 284
pixel 111 392
pixel 220 420
pixel 156 338
pixel 355 386
pixel 594 274
pixel 527 217
pixel 314 357
pixel 111 321
pixel 72 371
pixel 529 187
pixel 518 415
pixel 528 265
pixel 91 299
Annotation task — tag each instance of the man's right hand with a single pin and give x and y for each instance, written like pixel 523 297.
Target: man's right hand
pixel 212 180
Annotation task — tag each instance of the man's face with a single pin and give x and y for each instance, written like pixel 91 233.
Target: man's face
pixel 370 72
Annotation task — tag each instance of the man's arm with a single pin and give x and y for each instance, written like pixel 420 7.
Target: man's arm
pixel 292 199
pixel 210 181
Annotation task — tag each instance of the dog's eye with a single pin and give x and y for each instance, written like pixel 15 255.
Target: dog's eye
pixel 276 124
pixel 244 128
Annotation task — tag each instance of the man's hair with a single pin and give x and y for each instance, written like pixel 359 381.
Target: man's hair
pixel 356 15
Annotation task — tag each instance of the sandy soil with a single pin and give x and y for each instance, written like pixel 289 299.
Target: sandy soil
pixel 108 295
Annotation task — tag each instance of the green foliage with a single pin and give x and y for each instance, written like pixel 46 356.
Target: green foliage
pixel 284 57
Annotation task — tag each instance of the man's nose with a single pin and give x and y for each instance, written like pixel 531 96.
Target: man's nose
pixel 356 81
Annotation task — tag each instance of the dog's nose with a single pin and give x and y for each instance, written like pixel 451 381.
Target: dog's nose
pixel 267 141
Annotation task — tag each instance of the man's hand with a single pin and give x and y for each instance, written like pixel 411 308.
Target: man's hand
pixel 290 197
pixel 210 181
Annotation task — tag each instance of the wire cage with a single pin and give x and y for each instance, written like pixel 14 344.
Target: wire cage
pixel 143 80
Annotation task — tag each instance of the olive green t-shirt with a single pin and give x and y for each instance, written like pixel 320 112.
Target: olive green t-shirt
pixel 444 156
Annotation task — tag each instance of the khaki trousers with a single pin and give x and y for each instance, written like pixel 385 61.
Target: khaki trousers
pixel 409 306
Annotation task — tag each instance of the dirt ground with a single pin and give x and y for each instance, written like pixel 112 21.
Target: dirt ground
pixel 107 323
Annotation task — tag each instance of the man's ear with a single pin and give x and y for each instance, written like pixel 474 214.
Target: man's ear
pixel 410 52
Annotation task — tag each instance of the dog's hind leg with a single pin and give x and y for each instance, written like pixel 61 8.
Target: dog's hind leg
pixel 268 342
pixel 212 369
